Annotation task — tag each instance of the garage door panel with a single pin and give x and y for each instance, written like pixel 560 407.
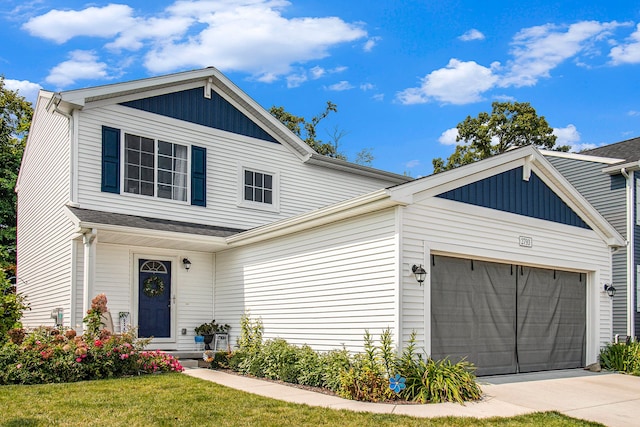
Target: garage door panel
pixel 507 319
pixel 469 315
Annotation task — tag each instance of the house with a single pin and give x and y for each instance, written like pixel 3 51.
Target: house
pixel 244 217
pixel 608 177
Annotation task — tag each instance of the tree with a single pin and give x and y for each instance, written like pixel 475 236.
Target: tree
pixel 15 119
pixel 509 125
pixel 12 305
pixel 307 130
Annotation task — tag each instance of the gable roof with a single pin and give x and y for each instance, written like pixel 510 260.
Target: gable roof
pixel 526 160
pixel 210 80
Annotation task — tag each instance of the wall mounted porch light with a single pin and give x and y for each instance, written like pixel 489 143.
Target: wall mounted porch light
pixel 610 290
pixel 420 273
pixel 186 263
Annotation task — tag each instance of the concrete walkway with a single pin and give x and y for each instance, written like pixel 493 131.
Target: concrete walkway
pixel 611 399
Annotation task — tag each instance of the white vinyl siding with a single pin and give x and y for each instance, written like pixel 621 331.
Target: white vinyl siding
pixel 322 287
pixel 301 187
pixel 446 227
pixel 44 231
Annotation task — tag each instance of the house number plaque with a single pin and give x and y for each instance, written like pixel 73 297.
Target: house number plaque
pixel 525 241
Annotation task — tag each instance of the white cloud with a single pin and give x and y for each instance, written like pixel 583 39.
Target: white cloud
pixel 633 113
pixel 24 88
pixel 81 65
pixel 378 97
pixel 628 53
pixel 472 34
pixel 63 25
pixel 570 136
pixel 250 36
pixel 340 86
pixel 412 164
pixel 295 80
pixel 317 72
pixel 366 86
pixel 538 50
pixel 371 43
pixel 448 137
pixel 458 83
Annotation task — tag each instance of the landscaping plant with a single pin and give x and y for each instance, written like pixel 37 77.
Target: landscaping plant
pixel 622 357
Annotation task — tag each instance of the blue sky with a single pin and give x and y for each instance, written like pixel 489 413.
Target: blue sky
pixel 403 73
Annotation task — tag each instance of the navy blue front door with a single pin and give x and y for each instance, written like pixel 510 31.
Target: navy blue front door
pixel 154 298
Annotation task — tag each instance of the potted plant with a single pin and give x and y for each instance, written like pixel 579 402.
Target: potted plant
pixel 208 331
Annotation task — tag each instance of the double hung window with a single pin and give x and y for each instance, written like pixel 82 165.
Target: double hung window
pixel 155 168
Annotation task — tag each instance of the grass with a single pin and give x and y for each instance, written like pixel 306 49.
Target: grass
pixel 179 400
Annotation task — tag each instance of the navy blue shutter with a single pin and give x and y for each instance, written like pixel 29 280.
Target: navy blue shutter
pixel 198 176
pixel 110 160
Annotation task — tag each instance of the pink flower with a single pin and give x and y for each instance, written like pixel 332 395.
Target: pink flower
pixel 19 365
pixel 97 343
pixel 78 359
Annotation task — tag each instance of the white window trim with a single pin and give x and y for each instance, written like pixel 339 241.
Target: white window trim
pixel 123 166
pixel 242 203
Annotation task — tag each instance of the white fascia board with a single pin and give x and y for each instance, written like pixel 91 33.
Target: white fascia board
pixel 367 203
pixel 631 166
pixel 583 157
pixel 342 165
pixel 81 96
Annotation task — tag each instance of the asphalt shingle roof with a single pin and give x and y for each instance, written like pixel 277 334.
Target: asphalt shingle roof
pixel 628 150
pixel 100 217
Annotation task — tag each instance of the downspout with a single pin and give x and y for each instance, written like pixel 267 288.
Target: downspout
pixel 53 107
pixel 630 249
pixel 87 240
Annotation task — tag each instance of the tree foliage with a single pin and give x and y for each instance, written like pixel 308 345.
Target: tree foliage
pixel 15 118
pixel 307 130
pixel 510 124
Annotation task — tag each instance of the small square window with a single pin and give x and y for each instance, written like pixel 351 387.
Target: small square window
pixel 258 187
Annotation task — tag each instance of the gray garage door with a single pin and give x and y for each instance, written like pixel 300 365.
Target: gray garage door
pixel 507 318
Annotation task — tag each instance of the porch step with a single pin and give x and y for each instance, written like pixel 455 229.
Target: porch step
pixel 189 363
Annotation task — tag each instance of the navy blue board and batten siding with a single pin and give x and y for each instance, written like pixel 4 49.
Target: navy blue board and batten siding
pixel 508 192
pixel 191 106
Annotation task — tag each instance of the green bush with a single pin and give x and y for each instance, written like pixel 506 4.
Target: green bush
pixel 310 366
pixel 365 381
pixel 334 363
pixel 280 360
pixel 622 357
pixel 12 304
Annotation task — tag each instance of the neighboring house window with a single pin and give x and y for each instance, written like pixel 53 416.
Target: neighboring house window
pixel 153 168
pixel 258 189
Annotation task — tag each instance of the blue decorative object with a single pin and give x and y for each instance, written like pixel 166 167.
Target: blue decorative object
pixel 397 383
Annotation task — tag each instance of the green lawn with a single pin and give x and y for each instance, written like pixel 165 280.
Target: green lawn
pixel 179 400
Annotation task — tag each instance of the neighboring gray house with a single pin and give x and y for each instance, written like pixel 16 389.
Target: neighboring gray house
pixel 609 178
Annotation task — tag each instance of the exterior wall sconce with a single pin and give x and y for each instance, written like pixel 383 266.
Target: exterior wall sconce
pixel 610 290
pixel 186 263
pixel 420 273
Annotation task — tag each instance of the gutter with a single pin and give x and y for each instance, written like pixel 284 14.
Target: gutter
pixel 371 202
pixel 330 162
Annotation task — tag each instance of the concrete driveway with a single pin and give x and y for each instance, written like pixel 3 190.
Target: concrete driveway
pixel 609 398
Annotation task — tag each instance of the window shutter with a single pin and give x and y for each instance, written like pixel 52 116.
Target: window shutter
pixel 198 176
pixel 110 160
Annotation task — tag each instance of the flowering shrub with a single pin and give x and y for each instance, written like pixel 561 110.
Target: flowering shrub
pixel 49 355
